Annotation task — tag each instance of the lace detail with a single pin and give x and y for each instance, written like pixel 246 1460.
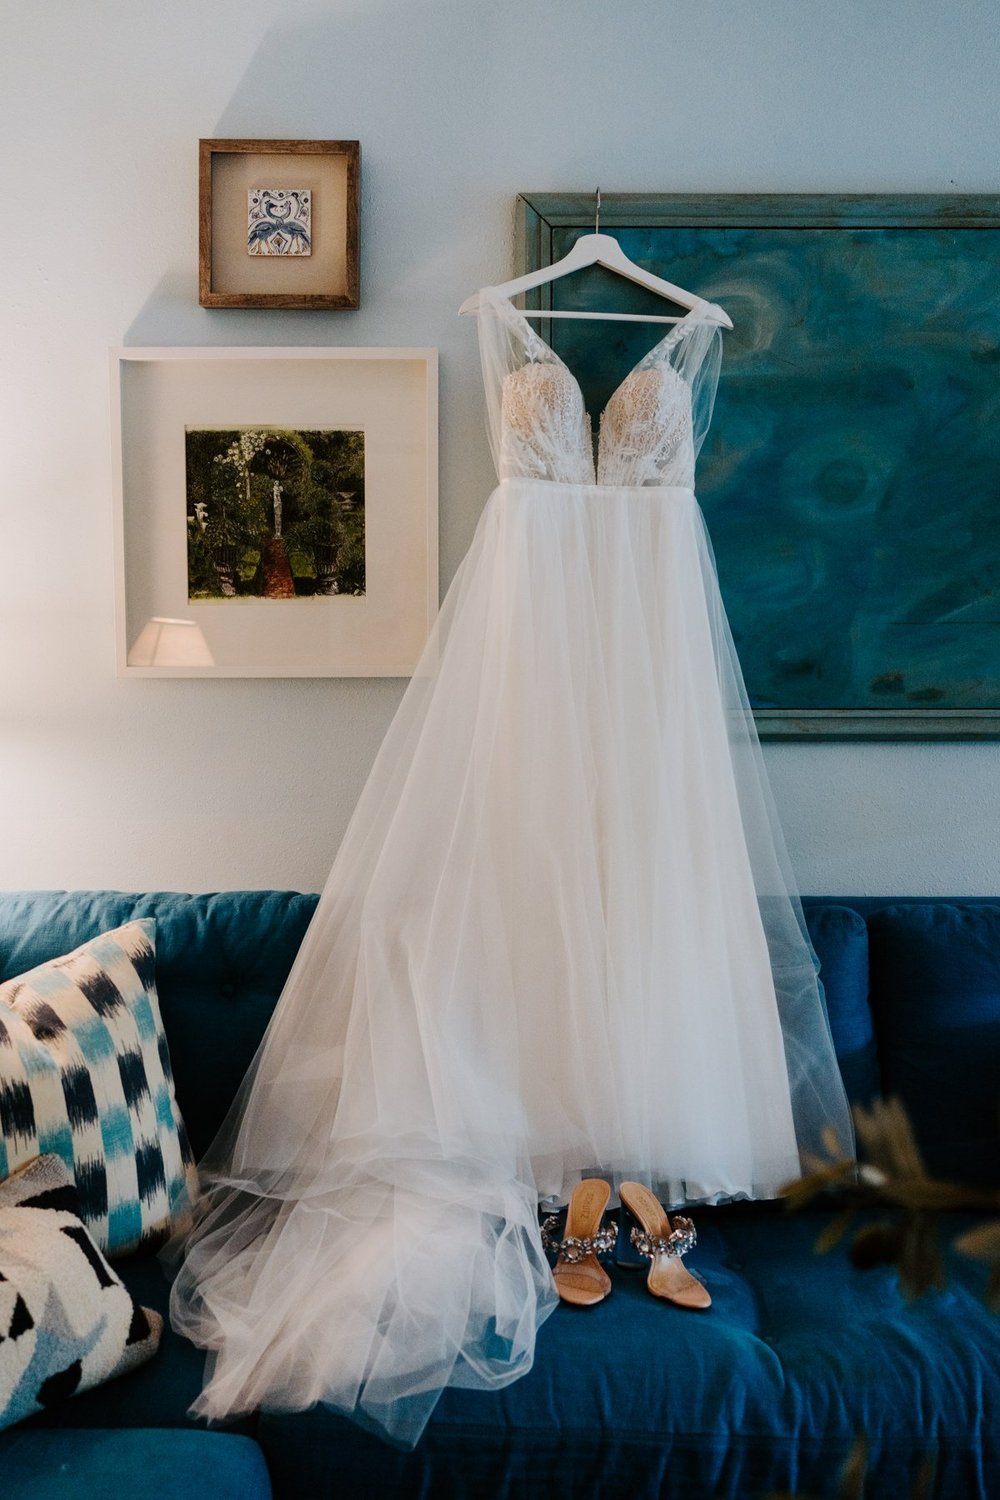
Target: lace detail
pixel 646 430
pixel 651 430
pixel 545 430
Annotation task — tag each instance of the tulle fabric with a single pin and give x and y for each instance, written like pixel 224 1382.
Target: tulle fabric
pixel 559 939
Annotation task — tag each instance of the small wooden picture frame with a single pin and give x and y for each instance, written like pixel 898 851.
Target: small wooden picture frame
pixel 278 224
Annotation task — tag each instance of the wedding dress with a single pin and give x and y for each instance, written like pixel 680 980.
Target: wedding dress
pixel 559 939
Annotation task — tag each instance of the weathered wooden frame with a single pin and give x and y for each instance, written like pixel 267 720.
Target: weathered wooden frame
pixel 343 293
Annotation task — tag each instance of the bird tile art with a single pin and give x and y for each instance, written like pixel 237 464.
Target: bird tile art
pixel 279 221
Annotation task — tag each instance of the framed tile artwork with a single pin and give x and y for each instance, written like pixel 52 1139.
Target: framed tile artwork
pixel 278 224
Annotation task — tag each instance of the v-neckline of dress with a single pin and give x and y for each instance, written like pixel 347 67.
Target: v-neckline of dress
pixel 672 333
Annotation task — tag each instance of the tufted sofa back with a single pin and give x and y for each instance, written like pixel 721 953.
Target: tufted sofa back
pixel 912 987
pixel 221 961
pixel 913 993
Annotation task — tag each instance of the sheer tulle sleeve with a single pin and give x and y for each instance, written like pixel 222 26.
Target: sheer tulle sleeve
pixel 535 417
pixel 697 357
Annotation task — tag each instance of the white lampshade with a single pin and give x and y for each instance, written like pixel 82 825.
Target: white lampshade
pixel 170 643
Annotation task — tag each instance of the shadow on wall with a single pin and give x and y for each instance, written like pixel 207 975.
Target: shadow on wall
pixel 353 75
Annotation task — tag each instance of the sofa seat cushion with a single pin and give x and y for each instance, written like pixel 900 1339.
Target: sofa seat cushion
pixel 131 1465
pixel 765 1392
pixel 936 997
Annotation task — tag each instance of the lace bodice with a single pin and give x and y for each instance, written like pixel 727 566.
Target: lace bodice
pixel 647 434
pixel 546 431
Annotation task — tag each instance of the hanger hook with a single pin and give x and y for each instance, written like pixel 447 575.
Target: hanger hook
pixel 597 212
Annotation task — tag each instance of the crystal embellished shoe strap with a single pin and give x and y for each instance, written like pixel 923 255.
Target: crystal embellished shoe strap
pixel 682 1238
pixel 573 1249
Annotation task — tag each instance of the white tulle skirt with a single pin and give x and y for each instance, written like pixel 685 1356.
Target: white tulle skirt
pixel 559 940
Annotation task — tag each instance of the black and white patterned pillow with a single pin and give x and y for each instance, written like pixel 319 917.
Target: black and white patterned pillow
pixel 66 1321
pixel 85 1073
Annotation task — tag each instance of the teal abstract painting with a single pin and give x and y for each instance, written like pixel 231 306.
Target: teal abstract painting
pixel 851 477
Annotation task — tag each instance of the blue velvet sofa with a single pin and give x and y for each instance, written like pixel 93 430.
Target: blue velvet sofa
pixel 634 1398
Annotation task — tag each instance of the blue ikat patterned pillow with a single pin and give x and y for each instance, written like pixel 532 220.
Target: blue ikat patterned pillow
pixel 85 1074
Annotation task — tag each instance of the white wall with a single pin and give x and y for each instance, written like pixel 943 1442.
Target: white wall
pixel 459 104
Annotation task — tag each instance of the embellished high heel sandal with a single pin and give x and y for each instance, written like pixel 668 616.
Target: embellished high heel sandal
pixel 663 1241
pixel 578 1275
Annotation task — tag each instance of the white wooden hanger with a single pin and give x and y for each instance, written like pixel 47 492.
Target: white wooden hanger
pixel 601 250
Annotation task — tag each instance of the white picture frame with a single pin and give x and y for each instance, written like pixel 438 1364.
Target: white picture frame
pixel 388 394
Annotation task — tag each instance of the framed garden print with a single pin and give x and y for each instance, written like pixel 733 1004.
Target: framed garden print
pixel 278 223
pixel 851 477
pixel 282 500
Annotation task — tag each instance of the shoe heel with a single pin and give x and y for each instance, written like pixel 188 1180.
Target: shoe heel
pixel 627 1257
pixel 665 1242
